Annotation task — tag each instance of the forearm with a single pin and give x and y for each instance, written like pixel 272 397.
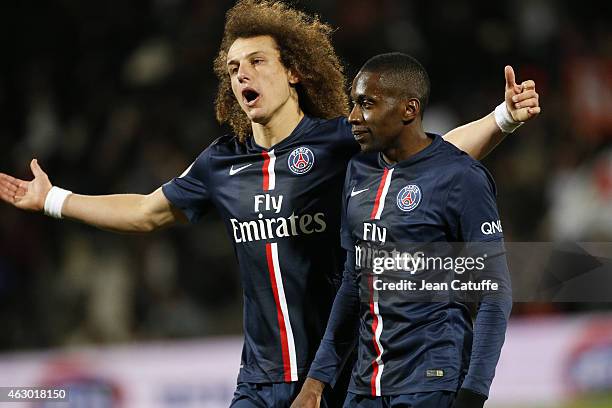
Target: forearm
pixel 340 336
pixel 489 334
pixel 477 138
pixel 492 316
pixel 120 212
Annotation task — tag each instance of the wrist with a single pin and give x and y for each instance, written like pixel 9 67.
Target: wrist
pixel 469 399
pixel 314 386
pixel 503 118
pixel 54 201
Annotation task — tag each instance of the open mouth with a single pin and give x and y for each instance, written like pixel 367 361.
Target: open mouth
pixel 250 96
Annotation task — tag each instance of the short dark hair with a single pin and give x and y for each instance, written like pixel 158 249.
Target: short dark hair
pixel 403 73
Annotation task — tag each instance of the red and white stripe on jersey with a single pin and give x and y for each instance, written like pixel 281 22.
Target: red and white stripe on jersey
pixel 377 322
pixel 269 178
pixel 381 194
pixel 377 328
pixel 282 313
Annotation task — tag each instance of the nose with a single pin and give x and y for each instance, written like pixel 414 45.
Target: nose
pixel 243 73
pixel 355 116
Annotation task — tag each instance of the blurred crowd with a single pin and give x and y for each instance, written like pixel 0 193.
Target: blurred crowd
pixel 117 96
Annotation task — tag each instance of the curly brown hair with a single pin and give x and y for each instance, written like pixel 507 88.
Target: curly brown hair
pixel 305 48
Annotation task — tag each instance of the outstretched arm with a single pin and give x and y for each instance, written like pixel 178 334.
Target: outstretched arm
pixel 480 137
pixel 120 212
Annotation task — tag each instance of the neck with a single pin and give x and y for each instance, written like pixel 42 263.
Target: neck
pixel 410 143
pixel 279 127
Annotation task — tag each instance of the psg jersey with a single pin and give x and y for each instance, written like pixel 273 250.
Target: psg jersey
pixel 281 207
pixel 436 197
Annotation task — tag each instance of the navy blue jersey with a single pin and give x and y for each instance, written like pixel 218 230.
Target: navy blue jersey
pixel 281 207
pixel 440 195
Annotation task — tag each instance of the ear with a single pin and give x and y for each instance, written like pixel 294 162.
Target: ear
pixel 293 77
pixel 412 110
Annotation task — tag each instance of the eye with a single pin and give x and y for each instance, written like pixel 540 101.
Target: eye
pixel 365 104
pixel 233 70
pixel 257 61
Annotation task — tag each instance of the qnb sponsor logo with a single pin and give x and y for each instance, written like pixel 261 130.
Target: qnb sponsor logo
pixel 491 227
pixel 271 228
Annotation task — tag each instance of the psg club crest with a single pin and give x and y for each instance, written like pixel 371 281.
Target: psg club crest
pixel 409 197
pixel 301 160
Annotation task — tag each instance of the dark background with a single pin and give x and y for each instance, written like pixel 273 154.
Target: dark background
pixel 117 96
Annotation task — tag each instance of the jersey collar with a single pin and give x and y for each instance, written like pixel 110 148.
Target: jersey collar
pixel 304 126
pixel 423 154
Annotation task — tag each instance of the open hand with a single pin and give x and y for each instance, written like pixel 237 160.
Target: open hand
pixel 26 195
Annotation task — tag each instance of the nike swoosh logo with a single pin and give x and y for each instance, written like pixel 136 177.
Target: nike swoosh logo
pixel 236 170
pixel 354 193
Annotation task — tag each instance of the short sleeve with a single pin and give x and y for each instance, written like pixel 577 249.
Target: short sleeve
pixel 190 192
pixel 473 206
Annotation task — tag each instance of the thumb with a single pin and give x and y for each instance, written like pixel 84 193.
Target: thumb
pixel 510 78
pixel 36 170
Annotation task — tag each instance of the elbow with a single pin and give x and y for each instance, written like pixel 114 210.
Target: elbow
pixel 138 225
pixel 147 226
pixel 502 305
pixel 146 220
pixel 154 212
pixel 507 307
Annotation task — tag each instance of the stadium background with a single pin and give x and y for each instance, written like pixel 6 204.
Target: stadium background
pixel 117 96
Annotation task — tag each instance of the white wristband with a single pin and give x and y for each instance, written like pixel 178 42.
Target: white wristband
pixel 504 119
pixel 55 201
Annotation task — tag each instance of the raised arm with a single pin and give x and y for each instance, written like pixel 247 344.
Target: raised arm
pixel 480 137
pixel 119 213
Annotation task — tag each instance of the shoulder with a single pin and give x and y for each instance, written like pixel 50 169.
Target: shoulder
pixel 458 156
pixel 340 123
pixel 463 164
pixel 226 145
pixel 463 171
pixel 333 135
pixel 474 176
pixel 226 142
pixel 338 128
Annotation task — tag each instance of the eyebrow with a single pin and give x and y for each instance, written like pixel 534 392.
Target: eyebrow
pixel 234 61
pixel 361 97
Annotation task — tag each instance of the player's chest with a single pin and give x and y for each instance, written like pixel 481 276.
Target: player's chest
pixel 277 182
pixel 397 206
